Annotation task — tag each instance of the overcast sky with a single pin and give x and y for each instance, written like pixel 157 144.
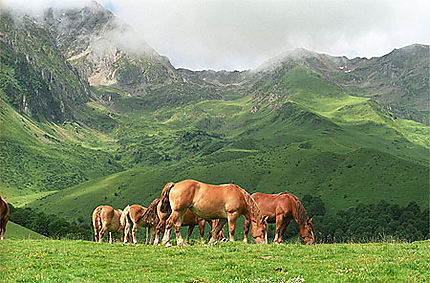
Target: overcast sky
pixel 241 34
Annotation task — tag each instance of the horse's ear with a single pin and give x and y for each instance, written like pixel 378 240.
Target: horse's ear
pixel 310 220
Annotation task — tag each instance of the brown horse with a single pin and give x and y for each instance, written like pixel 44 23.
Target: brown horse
pixel 105 218
pixel 190 220
pixel 4 217
pixel 223 202
pixel 281 208
pixel 135 215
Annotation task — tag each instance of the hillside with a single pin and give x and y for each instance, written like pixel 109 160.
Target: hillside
pixel 86 120
pixel 85 261
pixel 15 231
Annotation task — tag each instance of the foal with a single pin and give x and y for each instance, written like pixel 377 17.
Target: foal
pixel 105 218
pixel 134 214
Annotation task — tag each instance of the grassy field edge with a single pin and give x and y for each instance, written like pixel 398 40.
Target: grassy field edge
pixel 83 261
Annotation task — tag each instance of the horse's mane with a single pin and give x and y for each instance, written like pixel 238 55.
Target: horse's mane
pixel 302 215
pixel 255 210
pixel 151 212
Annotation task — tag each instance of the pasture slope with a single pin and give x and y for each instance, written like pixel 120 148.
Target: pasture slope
pixel 15 231
pixel 82 261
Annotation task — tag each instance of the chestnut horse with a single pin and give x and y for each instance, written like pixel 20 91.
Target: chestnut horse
pixel 281 208
pixel 134 214
pixel 190 220
pixel 4 217
pixel 105 218
pixel 223 202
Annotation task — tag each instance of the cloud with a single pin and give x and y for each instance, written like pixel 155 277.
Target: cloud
pixel 241 34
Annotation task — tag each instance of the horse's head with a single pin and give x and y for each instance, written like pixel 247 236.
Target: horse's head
pixel 308 232
pixel 259 230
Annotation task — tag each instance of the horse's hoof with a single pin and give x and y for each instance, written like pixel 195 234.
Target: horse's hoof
pixel 224 240
pixel 168 244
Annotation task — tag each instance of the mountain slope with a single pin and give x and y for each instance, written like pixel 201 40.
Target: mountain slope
pixel 301 123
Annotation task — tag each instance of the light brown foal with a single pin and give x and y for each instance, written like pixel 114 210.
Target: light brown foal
pixel 105 218
pixel 134 214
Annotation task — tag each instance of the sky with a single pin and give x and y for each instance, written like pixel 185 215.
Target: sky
pixel 242 34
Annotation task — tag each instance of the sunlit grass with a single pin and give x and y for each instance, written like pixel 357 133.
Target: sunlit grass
pixel 49 260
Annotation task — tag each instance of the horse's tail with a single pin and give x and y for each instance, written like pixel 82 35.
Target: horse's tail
pixel 150 215
pixel 165 202
pixel 124 216
pixel 97 222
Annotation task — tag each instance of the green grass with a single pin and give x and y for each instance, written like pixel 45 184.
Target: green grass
pixel 15 231
pixel 59 261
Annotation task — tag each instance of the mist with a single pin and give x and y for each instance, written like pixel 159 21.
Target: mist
pixel 242 34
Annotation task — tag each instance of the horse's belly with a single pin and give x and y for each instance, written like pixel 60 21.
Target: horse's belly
pixel 208 212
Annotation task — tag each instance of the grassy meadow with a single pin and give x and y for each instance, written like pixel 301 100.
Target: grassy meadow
pixel 82 261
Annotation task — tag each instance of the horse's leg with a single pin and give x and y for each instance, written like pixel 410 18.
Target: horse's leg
pixel 246 230
pixel 96 235
pixel 232 218
pixel 278 234
pixel 126 232
pixel 174 216
pixel 190 230
pixel 202 223
pixel 158 231
pixel 177 225
pixel 216 230
pixel 151 234
pixel 121 235
pixel 147 235
pixel 283 228
pixel 1 229
pixel 110 238
pixel 102 233
pixel 133 233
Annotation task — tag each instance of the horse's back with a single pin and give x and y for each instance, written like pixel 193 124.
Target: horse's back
pixel 205 200
pixel 272 205
pixel 136 211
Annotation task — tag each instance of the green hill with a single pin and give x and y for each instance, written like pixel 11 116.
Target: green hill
pixel 81 128
pixel 15 231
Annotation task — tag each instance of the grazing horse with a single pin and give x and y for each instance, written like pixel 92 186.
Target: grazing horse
pixel 223 202
pixel 134 214
pixel 4 217
pixel 190 220
pixel 280 209
pixel 105 218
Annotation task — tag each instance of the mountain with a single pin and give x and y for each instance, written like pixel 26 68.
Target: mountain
pixel 87 120
pixel 398 81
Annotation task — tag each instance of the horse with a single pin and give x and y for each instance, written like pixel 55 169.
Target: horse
pixel 4 217
pixel 189 220
pixel 224 202
pixel 134 214
pixel 280 209
pixel 105 218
